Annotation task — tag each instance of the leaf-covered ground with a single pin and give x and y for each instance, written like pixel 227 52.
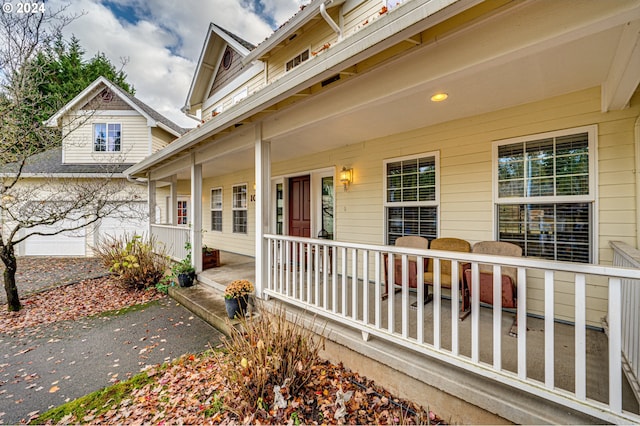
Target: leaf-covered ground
pixel 70 302
pixel 193 390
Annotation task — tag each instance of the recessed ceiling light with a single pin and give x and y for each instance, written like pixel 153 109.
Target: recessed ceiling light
pixel 439 97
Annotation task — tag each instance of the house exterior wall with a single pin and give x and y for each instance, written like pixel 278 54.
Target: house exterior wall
pixel 227 240
pixel 78 145
pixel 466 208
pixel 159 139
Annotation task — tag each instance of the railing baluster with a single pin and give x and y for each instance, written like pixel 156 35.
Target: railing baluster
pixel 343 303
pixel 334 280
pixel 301 264
pixel 580 303
pixel 549 331
pixel 309 262
pixel 287 282
pixel 522 323
pixel 437 299
pixel 615 346
pixel 378 291
pixel 497 317
pixel 283 263
pixel 405 296
pixel 316 278
pixel 455 309
pixel 365 286
pixel 325 277
pixel 391 291
pixel 420 301
pixel 475 312
pixel 354 284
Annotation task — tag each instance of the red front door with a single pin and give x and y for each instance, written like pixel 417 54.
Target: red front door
pixel 300 206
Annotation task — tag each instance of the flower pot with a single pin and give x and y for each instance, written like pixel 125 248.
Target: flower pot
pixel 236 307
pixel 186 280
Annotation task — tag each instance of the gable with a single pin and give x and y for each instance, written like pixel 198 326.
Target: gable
pixel 106 100
pixel 229 66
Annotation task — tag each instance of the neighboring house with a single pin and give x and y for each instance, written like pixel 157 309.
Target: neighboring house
pixel 363 121
pixel 105 131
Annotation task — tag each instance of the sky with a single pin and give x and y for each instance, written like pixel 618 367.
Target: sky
pixel 161 40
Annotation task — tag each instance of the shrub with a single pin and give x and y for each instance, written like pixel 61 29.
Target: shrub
pixel 270 359
pixel 135 262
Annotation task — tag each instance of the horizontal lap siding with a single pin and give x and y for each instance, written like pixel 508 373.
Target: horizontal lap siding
pixel 78 146
pixel 227 240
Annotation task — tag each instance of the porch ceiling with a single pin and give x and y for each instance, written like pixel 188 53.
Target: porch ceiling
pixel 395 97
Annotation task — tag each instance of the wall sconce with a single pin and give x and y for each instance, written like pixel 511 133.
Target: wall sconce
pixel 346 177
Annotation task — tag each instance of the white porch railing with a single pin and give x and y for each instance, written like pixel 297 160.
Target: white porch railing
pixel 344 282
pixel 173 237
pixel 629 257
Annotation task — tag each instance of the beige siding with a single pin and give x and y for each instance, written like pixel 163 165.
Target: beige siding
pixel 252 86
pixel 78 145
pixel 227 240
pixel 160 139
pixel 466 207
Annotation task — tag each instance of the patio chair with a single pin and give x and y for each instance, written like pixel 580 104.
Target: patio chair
pixel 509 275
pixel 448 244
pixel 409 241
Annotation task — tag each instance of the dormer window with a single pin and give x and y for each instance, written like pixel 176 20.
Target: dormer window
pixel 297 60
pixel 106 137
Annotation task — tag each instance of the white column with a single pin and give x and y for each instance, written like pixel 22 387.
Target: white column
pixel 151 203
pixel 263 190
pixel 196 214
pixel 173 207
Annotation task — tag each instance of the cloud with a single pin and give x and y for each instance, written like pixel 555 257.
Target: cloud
pixel 162 39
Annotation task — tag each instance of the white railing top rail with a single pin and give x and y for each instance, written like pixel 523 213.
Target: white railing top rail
pixel 167 226
pixel 629 253
pixel 580 268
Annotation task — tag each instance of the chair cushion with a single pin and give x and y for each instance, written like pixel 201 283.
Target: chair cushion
pixel 445 279
pixel 448 244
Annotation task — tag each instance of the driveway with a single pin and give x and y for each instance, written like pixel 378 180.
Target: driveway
pixel 64 360
pixel 69 360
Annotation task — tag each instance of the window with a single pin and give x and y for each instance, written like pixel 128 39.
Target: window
pixel 411 197
pixel 297 60
pixel 227 58
pixel 327 207
pixel 240 209
pixel 106 137
pixel 279 209
pixel 216 209
pixel 545 187
pixel 183 217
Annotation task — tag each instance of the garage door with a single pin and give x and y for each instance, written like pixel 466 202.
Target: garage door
pixel 130 222
pixel 64 244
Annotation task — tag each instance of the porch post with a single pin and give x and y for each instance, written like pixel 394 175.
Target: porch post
pixel 173 207
pixel 151 197
pixel 196 214
pixel 263 189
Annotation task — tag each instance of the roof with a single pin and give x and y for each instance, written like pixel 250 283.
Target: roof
pixel 50 163
pixel 154 118
pixel 243 42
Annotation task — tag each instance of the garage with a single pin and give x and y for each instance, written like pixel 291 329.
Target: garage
pixel 133 219
pixel 63 244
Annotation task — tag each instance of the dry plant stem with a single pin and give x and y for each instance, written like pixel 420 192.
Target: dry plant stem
pixel 269 351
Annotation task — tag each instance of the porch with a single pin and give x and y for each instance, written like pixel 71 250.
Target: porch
pixel 474 362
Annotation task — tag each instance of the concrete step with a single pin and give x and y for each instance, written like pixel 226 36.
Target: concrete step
pixel 207 303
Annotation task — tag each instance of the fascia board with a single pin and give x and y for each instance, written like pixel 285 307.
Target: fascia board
pixel 378 36
pixel 66 175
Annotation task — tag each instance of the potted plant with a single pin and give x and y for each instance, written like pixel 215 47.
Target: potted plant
pixel 236 297
pixel 184 271
pixel 210 257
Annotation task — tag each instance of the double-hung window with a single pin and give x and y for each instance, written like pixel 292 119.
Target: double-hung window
pixel 216 209
pixel 411 196
pixel 297 60
pixel 545 193
pixel 106 137
pixel 183 215
pixel 239 206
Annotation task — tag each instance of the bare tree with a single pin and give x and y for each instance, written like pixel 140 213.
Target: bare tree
pixel 28 205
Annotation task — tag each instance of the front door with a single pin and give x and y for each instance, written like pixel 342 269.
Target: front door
pixel 300 206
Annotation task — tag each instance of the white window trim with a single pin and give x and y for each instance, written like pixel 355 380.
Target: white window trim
pixel 93 138
pixel 308 49
pixel 214 209
pixel 435 202
pixel 234 208
pixel 592 131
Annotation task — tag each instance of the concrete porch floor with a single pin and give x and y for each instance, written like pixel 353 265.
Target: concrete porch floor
pixel 234 266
